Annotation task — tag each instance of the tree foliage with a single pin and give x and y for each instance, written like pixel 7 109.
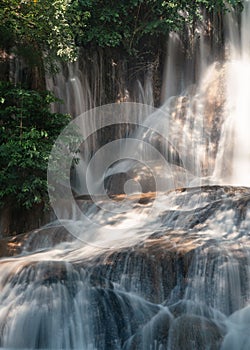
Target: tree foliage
pixel 27 132
pixel 40 27
pixel 54 27
pixel 127 23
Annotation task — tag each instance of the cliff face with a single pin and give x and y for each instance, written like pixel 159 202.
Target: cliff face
pixel 15 221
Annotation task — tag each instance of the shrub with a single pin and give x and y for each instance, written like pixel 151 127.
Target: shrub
pixel 28 130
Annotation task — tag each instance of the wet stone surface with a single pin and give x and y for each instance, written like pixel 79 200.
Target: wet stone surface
pixel 180 287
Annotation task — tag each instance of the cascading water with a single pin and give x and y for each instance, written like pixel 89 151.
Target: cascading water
pixel 235 144
pixel 167 270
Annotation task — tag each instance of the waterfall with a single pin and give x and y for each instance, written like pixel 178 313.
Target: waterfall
pixel 150 249
pixel 235 144
pixel 184 284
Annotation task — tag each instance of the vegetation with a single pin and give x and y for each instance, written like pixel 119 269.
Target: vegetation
pixel 40 32
pixel 35 26
pixel 129 23
pixel 27 132
pixel 45 30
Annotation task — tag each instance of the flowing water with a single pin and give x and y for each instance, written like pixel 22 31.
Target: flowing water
pixel 236 127
pixel 147 267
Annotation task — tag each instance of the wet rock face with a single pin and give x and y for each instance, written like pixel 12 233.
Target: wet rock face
pixel 154 332
pixel 44 238
pixel 181 287
pixel 15 221
pixel 151 270
pixel 194 332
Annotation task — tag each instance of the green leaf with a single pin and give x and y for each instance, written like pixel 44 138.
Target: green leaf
pixel 23 155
